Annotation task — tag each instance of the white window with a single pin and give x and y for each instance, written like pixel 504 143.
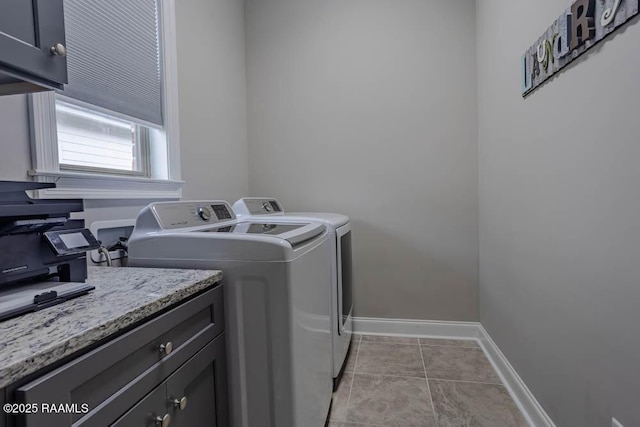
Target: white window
pixel 113 131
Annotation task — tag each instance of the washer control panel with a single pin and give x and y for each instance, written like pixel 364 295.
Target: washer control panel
pixel 172 215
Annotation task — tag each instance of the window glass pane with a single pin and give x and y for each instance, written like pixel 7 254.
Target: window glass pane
pixel 87 139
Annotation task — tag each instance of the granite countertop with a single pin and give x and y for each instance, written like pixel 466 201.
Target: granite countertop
pixel 123 296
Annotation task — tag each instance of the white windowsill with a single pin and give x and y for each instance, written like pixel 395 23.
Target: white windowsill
pixel 96 186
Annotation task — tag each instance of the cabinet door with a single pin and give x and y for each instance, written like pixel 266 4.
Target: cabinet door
pixel 28 31
pixel 151 411
pixel 198 390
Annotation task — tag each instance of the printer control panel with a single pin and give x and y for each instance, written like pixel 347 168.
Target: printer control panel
pixel 67 242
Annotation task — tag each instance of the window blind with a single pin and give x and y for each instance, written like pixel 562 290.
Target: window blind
pixel 113 56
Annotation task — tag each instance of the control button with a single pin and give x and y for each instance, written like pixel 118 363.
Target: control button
pixel 204 213
pixel 275 206
pixel 267 207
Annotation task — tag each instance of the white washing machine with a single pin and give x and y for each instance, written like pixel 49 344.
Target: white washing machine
pixel 339 229
pixel 276 303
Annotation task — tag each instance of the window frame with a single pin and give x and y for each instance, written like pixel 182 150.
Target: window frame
pixel 92 185
pixel 142 144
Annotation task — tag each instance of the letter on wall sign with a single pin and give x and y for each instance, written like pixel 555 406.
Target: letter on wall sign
pixel 536 67
pixel 582 22
pixel 561 42
pixel 609 15
pixel 526 78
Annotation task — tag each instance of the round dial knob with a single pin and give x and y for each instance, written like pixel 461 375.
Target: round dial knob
pixel 267 207
pixel 204 213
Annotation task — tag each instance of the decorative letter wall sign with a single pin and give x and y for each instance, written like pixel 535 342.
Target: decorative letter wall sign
pixel 581 26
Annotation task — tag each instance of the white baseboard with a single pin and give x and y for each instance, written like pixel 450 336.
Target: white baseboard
pixel 522 396
pixel 526 401
pixel 417 328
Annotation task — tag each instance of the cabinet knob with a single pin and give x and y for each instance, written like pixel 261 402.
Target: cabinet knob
pixel 163 421
pixel 166 348
pixel 59 49
pixel 180 403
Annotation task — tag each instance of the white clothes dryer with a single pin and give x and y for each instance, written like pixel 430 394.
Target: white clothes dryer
pixel 339 230
pixel 276 303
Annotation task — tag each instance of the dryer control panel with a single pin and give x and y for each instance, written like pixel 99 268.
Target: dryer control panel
pixel 172 215
pixel 257 206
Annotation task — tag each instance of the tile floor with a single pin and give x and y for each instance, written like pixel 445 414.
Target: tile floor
pixel 411 382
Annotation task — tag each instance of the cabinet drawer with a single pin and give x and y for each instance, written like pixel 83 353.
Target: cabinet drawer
pixel 113 373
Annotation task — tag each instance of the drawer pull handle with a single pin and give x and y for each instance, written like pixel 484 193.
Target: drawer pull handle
pixel 180 403
pixel 59 50
pixel 166 348
pixel 163 421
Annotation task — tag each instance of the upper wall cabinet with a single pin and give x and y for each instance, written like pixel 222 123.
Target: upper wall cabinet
pixel 32 46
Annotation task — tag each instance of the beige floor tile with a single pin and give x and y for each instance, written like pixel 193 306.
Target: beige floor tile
pixel 458 363
pixel 390 401
pixel 389 359
pixel 471 404
pixel 449 343
pixel 340 398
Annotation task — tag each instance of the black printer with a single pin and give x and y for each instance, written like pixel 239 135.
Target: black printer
pixel 42 251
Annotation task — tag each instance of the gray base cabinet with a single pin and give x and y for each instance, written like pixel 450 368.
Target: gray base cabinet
pixel 169 371
pixel 29 29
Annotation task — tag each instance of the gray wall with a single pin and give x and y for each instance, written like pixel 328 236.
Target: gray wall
pixel 213 99
pixel 368 108
pixel 211 72
pixel 559 216
pixel 15 159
